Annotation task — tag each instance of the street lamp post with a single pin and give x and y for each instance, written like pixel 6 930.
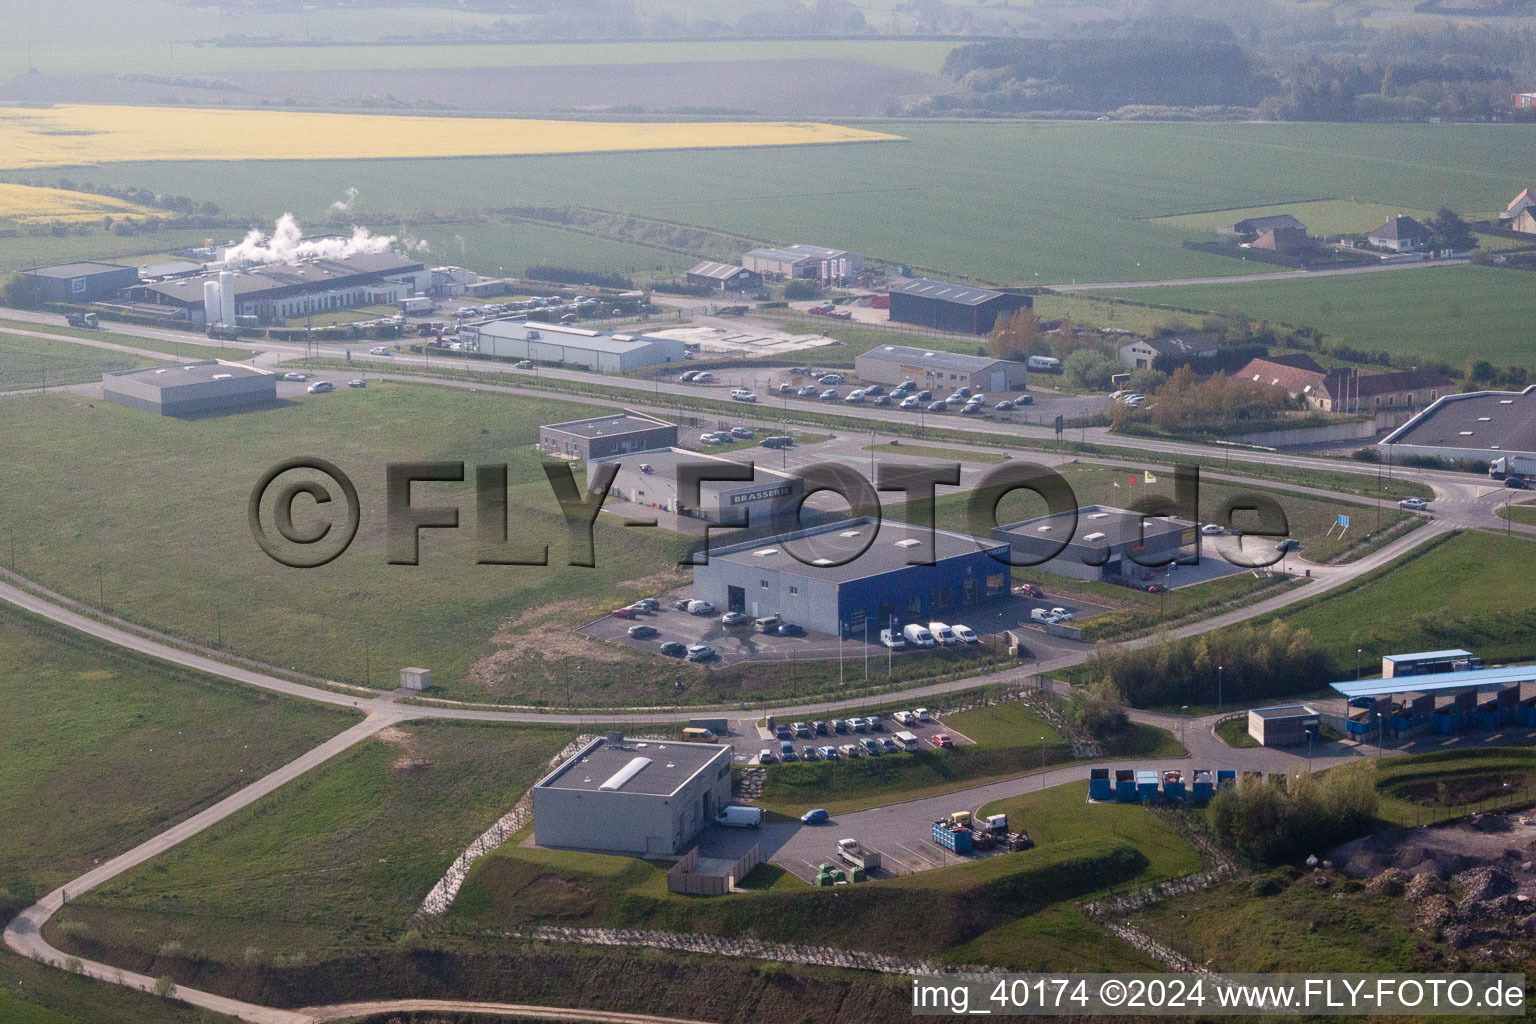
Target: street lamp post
pixel 1358 650
pixel 1042 762
pixel 1218 688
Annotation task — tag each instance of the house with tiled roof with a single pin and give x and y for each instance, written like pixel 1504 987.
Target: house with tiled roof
pixel 1283 240
pixel 1176 350
pixel 1352 390
pixel 1401 233
pixel 1298 375
pixel 1522 202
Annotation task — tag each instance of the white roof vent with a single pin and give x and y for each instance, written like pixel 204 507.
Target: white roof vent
pixel 765 552
pixel 1485 419
pixel 1094 537
pixel 1042 529
pixel 822 562
pixel 910 542
pixel 617 780
pixel 1506 401
pixel 1465 433
pixel 1098 515
pixel 849 533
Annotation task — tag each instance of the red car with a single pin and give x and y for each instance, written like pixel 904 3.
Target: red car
pixel 1028 590
pixel 941 739
pixel 623 613
pixel 1157 588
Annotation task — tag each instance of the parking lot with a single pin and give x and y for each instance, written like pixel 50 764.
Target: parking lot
pixel 766 739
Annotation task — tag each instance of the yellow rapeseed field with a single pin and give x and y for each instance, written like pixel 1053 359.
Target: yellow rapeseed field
pixel 79 134
pixel 23 204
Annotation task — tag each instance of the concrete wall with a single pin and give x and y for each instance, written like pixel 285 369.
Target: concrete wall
pixel 1352 431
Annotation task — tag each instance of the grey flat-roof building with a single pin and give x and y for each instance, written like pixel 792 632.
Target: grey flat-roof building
pixel 1484 425
pixel 602 436
pixel 1284 725
pixel 813 262
pixel 642 797
pixel 650 478
pixel 936 370
pixel 724 276
pixel 1099 546
pixel 819 587
pixel 958 308
pixel 86 281
pixel 603 351
pixel 191 389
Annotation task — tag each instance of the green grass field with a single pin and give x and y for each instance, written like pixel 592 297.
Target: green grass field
pixel 1448 313
pixel 1234 733
pixel 1322 217
pixel 343 855
pixel 103 748
pixel 36 362
pixel 1438 598
pixel 1524 513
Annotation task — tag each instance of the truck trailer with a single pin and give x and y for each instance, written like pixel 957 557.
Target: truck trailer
pixel 1513 467
pixel 862 861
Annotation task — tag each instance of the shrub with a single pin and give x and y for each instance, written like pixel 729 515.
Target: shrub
pixel 1276 824
pixel 796 290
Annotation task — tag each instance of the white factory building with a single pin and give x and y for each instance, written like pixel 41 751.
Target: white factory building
pixel 602 351
pixel 642 797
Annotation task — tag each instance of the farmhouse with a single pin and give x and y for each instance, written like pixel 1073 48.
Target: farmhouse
pixel 956 308
pixel 1479 425
pixel 1518 205
pixel 1097 542
pixel 936 371
pixel 1174 351
pixel 602 351
pixel 727 277
pixel 191 389
pixel 602 436
pixel 1351 391
pixel 844 577
pixel 1299 375
pixel 1523 100
pixel 641 797
pixel 81 282
pixel 812 262
pixel 276 293
pixel 650 477
pixel 1523 222
pixel 1400 234
pixel 1259 225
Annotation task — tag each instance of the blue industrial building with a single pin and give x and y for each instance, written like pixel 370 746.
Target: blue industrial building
pixel 1373 710
pixel 848 576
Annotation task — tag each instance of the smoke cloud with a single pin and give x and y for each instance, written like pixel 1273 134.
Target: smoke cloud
pixel 343 205
pixel 287 244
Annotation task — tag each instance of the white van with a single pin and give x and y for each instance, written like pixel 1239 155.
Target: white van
pixel 943 634
pixel 918 636
pixel 740 817
pixel 907 740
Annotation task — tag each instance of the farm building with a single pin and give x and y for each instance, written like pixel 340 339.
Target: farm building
pixel 82 282
pixel 651 478
pixel 1518 205
pixel 1482 425
pixel 1400 233
pixel 1096 542
pixel 1298 375
pixel 191 389
pixel 603 436
pixel 1523 222
pixel 940 371
pixel 1173 351
pixel 855 574
pixel 276 293
pixel 602 351
pixel 1349 391
pixel 1259 225
pixel 1284 240
pixel 1523 100
pixel 640 797
pixel 956 308
pixel 727 277
pixel 1284 725
pixel 810 262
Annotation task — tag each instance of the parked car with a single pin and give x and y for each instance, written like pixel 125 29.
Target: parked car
pixel 642 632
pixel 925 396
pixel 1061 614
pixel 872 747
pixel 359 383
pixel 943 634
pixel 829 395
pixel 1043 615
pixel 703 377
pixel 1005 405
pixel 827 379
pixel 700 608
pixel 1416 504
pixel 941 739
pixel 880 400
pixel 875 725
pixel 700 652
pixel 1212 530
pixel 850 750
pixel 1028 590
pixel 817 816
pixel 827 753
pixel 922 715
pixel 937 407
pixel 735 619
pixel 783 732
pixel 802 730
pixel 786 388
pixel 918 636
pixel 766 756
pixel 682 603
pixel 857 724
pixel 787 752
pixel 819 727
pixel 321 387
pixel 295 377
pixel 837 725
pixel 965 634
pixel 808 753
pixel 911 402
pixel 972 409
pixel 789 629
pixel 809 391
pixel 649 604
pixel 905 717
pixel 623 613
pixel 955 398
pixel 889 746
pixel 673 649
pixel 895 641
pixel 742 434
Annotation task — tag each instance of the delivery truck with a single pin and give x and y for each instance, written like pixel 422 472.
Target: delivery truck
pixel 739 817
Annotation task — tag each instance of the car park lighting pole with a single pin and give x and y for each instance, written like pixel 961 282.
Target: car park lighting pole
pixel 1357 663
pixel 1218 688
pixel 1042 762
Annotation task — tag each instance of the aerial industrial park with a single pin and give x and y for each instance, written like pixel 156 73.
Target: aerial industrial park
pixel 816 512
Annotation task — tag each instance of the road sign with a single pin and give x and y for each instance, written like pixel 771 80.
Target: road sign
pixel 1059 423
pixel 1343 521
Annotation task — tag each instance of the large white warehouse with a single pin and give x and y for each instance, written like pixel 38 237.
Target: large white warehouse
pixel 602 351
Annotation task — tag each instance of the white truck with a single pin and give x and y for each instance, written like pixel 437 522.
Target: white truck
pixel 1513 467
pixel 918 636
pixel 739 817
pixel 416 306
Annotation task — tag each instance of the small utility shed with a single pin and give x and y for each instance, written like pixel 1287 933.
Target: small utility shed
pixel 1283 725
pixel 642 797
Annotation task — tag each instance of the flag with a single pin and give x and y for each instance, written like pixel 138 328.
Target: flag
pixel 1133 479
pixel 1115 482
pixel 1149 477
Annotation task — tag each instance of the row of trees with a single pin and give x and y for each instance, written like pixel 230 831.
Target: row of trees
pixel 1255 662
pixel 1185 401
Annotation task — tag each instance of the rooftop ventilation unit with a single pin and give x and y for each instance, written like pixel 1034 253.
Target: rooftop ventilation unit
pixel 617 780
pixel 910 542
pixel 765 552
pixel 822 562
pixel 1094 537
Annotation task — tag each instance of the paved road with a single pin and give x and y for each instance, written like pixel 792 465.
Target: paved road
pixel 1278 275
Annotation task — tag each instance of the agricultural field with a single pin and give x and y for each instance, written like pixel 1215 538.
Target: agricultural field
pixel 86 134
pixel 1386 611
pixel 870 198
pixel 1453 313
pixel 22 204
pixel 1323 217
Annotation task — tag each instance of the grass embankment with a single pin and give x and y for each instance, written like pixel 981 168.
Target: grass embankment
pixel 190 349
pixel 1452 783
pixel 1437 597
pixel 102 749
pixel 1011 740
pixel 27 362
pixel 343 856
pixel 1525 513
pixel 1234 733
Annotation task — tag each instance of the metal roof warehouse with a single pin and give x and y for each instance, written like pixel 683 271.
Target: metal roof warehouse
pixel 1438 682
pixel 1480 425
pixel 575 346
